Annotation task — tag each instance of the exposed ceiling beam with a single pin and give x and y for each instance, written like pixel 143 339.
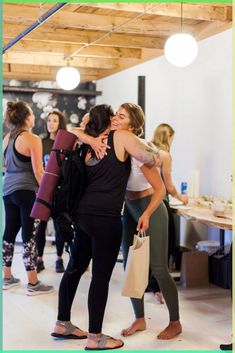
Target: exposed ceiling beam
pixel 31 58
pixel 205 30
pixel 42 73
pixel 24 72
pixel 18 68
pixel 49 34
pixel 39 55
pixel 156 25
pixel 199 11
pixel 63 48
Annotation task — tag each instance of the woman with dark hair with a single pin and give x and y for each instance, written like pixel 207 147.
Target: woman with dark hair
pixel 55 121
pixel 99 228
pixel 22 156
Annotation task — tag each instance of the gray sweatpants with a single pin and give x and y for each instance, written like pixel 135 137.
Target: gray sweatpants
pixel 158 232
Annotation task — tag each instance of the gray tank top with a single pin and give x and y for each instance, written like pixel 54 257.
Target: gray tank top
pixel 19 172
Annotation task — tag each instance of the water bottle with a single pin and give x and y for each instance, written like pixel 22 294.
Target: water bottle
pixel 46 159
pixel 184 187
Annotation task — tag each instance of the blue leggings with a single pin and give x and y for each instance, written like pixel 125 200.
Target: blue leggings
pixel 158 232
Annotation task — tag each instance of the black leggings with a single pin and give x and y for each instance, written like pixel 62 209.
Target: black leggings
pixel 41 239
pixel 18 207
pixel 97 238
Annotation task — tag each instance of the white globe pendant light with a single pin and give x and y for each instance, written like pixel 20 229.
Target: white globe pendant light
pixel 68 78
pixel 181 49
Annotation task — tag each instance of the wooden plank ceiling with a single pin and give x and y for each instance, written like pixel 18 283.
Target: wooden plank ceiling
pixel 139 31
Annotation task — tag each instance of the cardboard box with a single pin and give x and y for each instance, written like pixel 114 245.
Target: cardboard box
pixel 194 269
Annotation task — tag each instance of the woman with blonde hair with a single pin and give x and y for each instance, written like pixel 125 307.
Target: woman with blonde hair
pixel 163 138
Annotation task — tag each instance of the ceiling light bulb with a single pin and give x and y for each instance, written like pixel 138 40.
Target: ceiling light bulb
pixel 68 78
pixel 181 49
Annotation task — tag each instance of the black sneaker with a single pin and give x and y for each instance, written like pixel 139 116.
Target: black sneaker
pixel 226 347
pixel 59 266
pixel 40 266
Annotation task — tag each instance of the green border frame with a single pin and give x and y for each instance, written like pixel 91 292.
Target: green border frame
pixel 233 166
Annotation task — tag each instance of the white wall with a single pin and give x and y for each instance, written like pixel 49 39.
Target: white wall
pixel 196 101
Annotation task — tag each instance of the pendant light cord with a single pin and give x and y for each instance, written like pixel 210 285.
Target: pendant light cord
pixel 113 30
pixel 181 16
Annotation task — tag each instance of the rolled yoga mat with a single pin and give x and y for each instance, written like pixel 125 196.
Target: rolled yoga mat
pixel 42 206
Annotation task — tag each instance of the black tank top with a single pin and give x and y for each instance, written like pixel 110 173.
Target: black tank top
pixel 106 185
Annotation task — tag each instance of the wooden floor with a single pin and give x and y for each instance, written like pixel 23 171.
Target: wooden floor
pixel 28 321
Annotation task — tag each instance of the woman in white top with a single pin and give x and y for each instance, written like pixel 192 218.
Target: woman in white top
pixel 162 139
pixel 139 200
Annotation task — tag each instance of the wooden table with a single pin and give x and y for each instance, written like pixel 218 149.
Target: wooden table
pixel 205 216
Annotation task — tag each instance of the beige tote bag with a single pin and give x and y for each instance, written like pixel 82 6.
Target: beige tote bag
pixel 137 267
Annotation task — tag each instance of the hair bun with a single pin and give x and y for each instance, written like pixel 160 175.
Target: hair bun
pixel 16 114
pixel 11 106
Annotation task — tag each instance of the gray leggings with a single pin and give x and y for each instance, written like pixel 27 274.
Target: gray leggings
pixel 158 232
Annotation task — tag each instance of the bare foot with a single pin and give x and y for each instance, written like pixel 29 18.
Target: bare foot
pixel 102 342
pixel 173 329
pixel 159 297
pixel 137 325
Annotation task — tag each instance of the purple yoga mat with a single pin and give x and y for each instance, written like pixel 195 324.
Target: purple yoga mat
pixel 64 140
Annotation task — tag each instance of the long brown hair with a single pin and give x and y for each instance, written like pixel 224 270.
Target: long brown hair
pixel 62 122
pixel 161 136
pixel 99 119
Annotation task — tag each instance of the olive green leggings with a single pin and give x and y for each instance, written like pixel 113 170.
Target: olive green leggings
pixel 158 232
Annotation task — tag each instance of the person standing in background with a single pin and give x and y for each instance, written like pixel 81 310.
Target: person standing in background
pixel 22 157
pixel 55 121
pixel 163 138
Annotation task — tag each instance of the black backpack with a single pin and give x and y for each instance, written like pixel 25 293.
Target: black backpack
pixel 68 191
